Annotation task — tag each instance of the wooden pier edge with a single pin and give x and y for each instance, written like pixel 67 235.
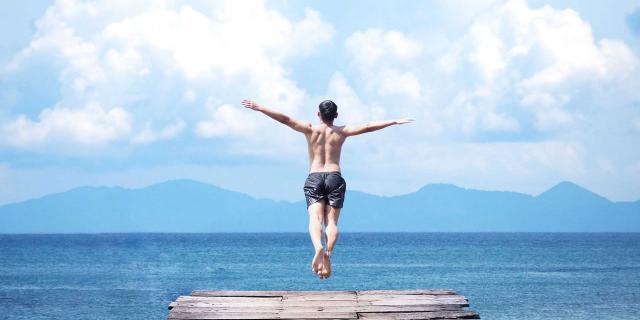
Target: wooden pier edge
pixel 364 304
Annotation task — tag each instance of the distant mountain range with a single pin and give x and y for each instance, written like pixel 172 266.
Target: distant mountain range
pixel 192 206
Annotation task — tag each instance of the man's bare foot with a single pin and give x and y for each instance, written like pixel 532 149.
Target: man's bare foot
pixel 316 263
pixel 326 265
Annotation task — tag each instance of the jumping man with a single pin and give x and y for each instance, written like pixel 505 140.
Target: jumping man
pixel 324 188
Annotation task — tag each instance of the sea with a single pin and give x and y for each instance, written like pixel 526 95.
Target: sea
pixel 136 275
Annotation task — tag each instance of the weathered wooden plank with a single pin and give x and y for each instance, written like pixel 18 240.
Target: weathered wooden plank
pixel 412 301
pixel 196 304
pixel 231 310
pixel 236 293
pixel 408 308
pixel 335 303
pixel 223 299
pixel 239 304
pixel 228 303
pixel 327 315
pixel 411 291
pixel 320 297
pixel 232 300
pixel 420 315
pixel 286 304
pixel 263 315
pixel 318 292
pixel 261 293
pixel 190 308
pixel 416 303
pixel 408 296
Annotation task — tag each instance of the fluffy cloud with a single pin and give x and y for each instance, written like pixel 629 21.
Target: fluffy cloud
pixel 227 120
pixel 156 62
pixel 87 126
pixel 149 135
pixel 374 46
pixel 515 71
pixel 243 37
pixel 544 58
pixel 382 58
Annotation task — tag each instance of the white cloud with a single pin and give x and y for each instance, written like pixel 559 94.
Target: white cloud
pixel 151 59
pixel 92 125
pixel 549 112
pixel 382 58
pixel 514 68
pixel 190 96
pixel 313 23
pixel 488 51
pixel 567 45
pixel 148 135
pixel 227 120
pixel 392 81
pixel 251 133
pixel 499 121
pixel 546 53
pixel 476 111
pixel 374 46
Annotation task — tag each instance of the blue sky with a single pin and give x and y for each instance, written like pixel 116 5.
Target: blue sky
pixel 508 95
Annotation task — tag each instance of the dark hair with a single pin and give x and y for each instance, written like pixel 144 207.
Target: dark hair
pixel 328 110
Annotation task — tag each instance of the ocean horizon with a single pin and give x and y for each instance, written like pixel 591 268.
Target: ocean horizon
pixel 523 275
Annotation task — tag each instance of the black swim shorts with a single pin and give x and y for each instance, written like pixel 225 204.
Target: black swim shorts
pixel 325 185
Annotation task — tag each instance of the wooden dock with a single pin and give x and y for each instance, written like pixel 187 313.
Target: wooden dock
pixel 369 304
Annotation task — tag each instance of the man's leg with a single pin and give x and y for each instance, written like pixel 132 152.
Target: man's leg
pixel 331 227
pixel 316 218
pixel 331 233
pixel 326 216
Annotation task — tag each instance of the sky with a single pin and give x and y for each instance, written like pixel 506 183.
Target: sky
pixel 506 95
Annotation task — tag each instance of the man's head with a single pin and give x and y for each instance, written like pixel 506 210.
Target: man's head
pixel 327 110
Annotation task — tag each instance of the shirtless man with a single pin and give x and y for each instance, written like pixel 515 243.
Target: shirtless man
pixel 324 188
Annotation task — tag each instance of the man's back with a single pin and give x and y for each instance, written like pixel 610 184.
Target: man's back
pixel 324 144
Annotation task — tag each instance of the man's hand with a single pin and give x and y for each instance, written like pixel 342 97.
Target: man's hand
pixel 251 105
pixel 403 121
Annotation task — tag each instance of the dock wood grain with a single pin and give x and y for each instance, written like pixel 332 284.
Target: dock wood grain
pixel 367 304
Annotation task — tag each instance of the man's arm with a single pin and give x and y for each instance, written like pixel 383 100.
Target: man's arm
pixel 300 126
pixel 372 126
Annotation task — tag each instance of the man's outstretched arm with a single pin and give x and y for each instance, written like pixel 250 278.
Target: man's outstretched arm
pixel 372 126
pixel 300 126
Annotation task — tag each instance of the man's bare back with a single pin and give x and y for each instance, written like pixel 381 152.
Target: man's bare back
pixel 324 187
pixel 324 143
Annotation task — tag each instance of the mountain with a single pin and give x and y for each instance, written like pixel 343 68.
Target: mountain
pixel 173 206
pixel 192 206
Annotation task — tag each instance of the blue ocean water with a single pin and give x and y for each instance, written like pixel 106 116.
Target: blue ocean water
pixel 504 275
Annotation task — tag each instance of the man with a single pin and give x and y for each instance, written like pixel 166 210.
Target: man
pixel 324 188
